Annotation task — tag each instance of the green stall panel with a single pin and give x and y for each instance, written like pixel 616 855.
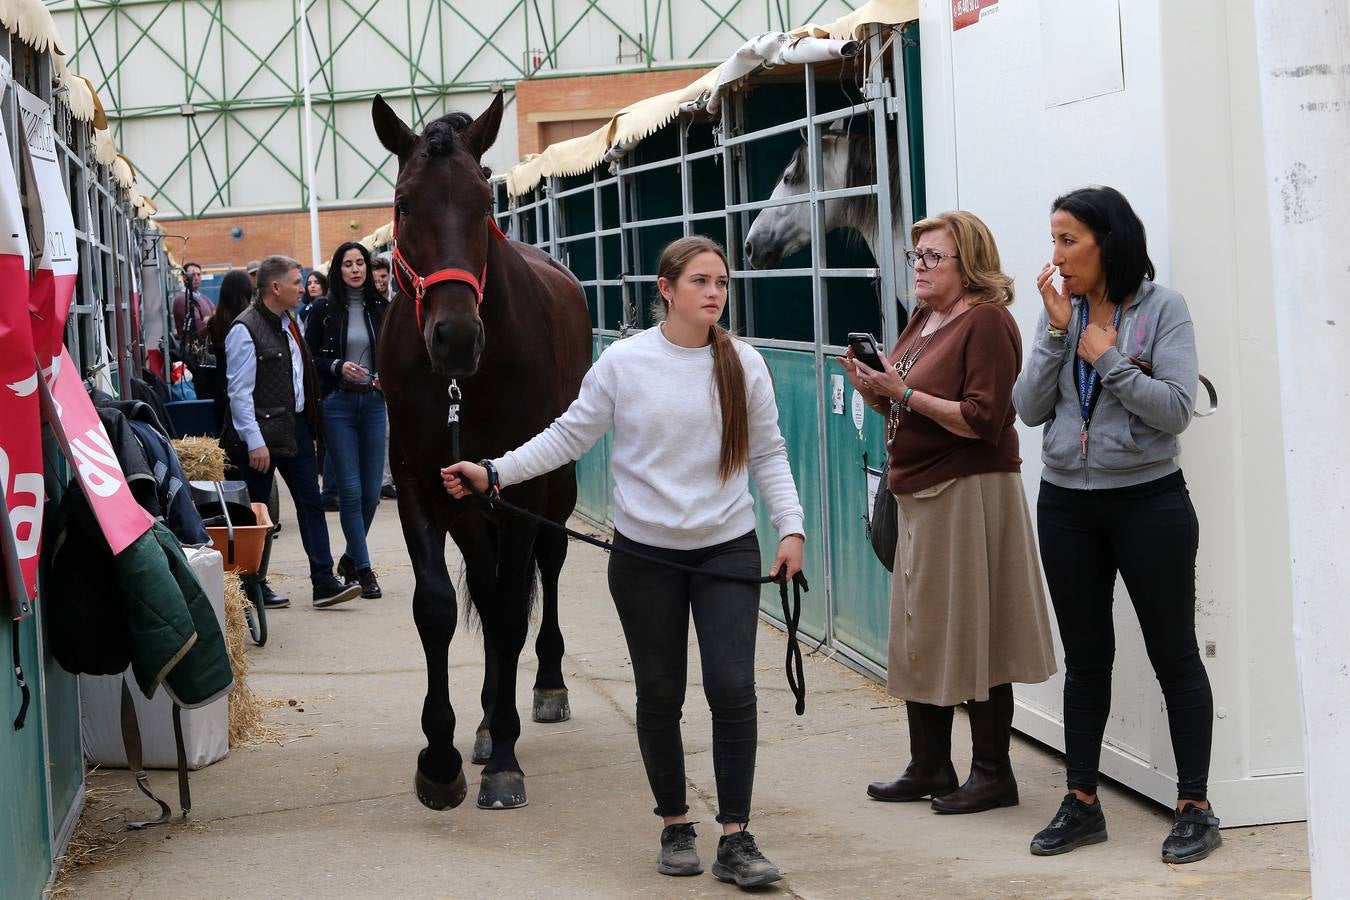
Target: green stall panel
pixel 794 377
pixel 25 848
pixel 66 767
pixel 595 493
pixel 860 586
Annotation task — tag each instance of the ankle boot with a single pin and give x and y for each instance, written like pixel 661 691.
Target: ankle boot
pixel 930 772
pixel 991 783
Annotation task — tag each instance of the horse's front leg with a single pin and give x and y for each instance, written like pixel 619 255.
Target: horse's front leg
pixel 499 584
pixel 439 781
pixel 550 691
pixel 482 739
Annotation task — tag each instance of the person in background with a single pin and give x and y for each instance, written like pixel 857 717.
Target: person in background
pixel 968 616
pixel 236 293
pixel 274 418
pixel 694 418
pixel 252 270
pixel 316 287
pixel 1112 375
pixel 201 306
pixel 379 268
pixel 342 332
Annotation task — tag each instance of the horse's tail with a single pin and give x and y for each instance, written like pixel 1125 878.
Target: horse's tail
pixel 473 619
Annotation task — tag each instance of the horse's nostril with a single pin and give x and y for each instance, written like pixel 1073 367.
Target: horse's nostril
pixel 749 249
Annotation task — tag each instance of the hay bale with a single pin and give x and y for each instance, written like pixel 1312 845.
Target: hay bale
pixel 248 722
pixel 201 457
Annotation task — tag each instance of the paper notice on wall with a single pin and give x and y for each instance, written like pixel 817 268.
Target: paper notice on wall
pixel 969 12
pixel 21 436
pixel 54 279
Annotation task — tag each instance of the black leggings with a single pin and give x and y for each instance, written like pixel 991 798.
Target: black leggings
pixel 654 604
pixel 1149 533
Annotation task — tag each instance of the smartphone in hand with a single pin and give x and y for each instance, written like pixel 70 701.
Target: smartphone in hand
pixel 866 351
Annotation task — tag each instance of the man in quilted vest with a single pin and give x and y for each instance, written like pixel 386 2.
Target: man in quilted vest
pixel 273 423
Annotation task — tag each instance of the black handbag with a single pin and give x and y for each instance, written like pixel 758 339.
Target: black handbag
pixel 883 528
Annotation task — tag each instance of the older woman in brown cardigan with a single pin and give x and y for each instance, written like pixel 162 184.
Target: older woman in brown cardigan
pixel 968 614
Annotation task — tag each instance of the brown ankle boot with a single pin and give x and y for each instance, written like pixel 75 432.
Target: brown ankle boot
pixel 930 772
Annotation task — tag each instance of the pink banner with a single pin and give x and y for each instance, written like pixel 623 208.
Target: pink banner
pixel 86 445
pixel 21 436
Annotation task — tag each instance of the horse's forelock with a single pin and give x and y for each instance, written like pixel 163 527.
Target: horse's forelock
pixel 442 135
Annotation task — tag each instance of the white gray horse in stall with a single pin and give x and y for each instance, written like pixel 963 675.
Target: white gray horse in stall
pixel 848 160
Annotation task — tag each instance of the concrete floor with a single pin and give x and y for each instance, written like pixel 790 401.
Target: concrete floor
pixel 329 811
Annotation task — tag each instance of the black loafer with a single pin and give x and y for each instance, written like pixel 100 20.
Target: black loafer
pixel 1075 825
pixel 1195 835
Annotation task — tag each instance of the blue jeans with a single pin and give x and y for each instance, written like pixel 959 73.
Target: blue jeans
pixel 355 425
pixel 301 474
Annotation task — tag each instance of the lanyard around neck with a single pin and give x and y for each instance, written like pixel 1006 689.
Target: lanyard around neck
pixel 1089 381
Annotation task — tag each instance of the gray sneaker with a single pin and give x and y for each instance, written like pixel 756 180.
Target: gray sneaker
pixel 739 861
pixel 678 855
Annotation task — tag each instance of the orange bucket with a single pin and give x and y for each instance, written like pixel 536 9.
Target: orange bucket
pixel 249 542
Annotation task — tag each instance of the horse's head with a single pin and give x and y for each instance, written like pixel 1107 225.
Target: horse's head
pixel 780 231
pixel 442 210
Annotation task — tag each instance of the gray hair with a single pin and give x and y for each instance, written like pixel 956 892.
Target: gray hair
pixel 274 268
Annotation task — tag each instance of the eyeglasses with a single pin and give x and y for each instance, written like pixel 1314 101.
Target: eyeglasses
pixel 931 258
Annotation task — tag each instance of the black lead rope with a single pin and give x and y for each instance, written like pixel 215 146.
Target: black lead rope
pixel 18 676
pixel 792 612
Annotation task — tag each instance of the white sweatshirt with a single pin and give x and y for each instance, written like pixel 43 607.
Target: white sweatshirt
pixel 661 401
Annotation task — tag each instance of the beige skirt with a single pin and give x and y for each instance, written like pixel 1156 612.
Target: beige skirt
pixel 967 603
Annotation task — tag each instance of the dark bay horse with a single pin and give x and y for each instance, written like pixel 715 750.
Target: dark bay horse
pixel 509 327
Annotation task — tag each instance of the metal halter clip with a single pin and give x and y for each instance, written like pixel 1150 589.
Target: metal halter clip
pixel 455 396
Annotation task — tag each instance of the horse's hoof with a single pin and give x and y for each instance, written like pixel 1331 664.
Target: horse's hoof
pixel 550 705
pixel 435 795
pixel 482 747
pixel 502 790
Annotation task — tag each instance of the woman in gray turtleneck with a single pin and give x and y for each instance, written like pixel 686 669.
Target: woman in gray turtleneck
pixel 341 330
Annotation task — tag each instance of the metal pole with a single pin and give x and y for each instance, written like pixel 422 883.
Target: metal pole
pixel 301 34
pixel 820 315
pixel 1307 170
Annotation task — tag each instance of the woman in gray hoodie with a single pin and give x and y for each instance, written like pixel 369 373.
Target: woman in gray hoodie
pixel 1112 373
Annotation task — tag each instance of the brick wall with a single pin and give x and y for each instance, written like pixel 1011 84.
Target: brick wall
pixel 210 243
pixel 543 100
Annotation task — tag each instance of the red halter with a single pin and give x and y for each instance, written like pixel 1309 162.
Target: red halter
pixel 416 286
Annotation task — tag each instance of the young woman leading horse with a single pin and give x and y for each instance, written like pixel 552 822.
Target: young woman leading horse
pixel 507 327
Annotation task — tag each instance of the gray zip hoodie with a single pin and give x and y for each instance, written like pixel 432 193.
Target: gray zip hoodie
pixel 1132 438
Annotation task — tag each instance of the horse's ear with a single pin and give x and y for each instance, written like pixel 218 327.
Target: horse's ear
pixel 396 137
pixel 482 132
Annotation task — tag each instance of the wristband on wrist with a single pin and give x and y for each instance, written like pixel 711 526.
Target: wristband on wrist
pixel 1056 332
pixel 904 401
pixel 494 479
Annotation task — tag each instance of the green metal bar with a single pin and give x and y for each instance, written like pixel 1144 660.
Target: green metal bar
pixel 550 54
pixel 299 116
pixel 224 91
pixel 216 19
pixel 117 69
pixel 487 41
pixel 332 107
pixel 262 61
pixel 362 19
pixel 260 143
pixel 647 32
pixel 670 26
pixel 159 188
pixel 210 169
pixel 187 98
pixel 412 67
pixel 721 20
pixel 89 35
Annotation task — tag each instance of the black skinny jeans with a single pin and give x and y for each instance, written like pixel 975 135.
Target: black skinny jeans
pixel 1150 534
pixel 654 604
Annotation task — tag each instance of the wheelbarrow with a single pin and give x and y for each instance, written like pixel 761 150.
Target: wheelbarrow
pixel 244 541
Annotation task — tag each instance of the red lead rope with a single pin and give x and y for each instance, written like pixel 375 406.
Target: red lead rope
pixel 409 282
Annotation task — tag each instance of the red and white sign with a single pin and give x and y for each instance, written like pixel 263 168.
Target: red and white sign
pixel 70 411
pixel 970 12
pixel 86 445
pixel 21 436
